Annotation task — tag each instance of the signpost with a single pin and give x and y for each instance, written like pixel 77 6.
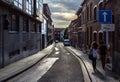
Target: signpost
pixel 107 27
pixel 105 17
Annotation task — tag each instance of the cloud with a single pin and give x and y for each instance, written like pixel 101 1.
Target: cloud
pixel 63 11
pixel 60 23
pixel 65 16
pixel 64 6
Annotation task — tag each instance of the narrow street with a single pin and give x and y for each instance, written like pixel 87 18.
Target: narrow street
pixel 66 69
pixel 52 40
pixel 59 66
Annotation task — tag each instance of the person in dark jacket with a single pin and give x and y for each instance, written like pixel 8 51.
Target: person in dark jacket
pixel 103 52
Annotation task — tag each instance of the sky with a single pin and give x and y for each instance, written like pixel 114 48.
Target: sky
pixel 63 11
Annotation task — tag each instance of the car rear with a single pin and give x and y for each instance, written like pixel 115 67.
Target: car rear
pixel 66 42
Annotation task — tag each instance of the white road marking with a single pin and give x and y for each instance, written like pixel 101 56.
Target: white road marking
pixel 36 74
pixel 68 53
pixel 57 52
pixel 56 49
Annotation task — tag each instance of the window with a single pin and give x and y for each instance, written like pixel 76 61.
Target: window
pixel 90 34
pixel 100 37
pixel 18 3
pixel 38 27
pixel 95 36
pixel 11 22
pixel 82 17
pixel 90 11
pixel 80 20
pixel 15 23
pixel 95 13
pixel 29 6
pixel 101 6
pixel 5 22
pixel 87 17
pixel 39 7
pixel 14 53
pixel 32 26
pixel 25 25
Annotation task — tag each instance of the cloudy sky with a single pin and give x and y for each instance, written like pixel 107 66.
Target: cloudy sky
pixel 63 11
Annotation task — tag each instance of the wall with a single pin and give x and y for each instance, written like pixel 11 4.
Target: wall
pixel 17 44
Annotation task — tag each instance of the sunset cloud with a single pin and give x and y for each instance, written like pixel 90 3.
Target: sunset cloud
pixel 65 16
pixel 63 11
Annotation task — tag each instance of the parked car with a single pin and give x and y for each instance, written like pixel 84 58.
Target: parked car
pixel 66 42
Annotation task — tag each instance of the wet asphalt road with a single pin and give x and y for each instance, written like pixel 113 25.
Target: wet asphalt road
pixel 66 69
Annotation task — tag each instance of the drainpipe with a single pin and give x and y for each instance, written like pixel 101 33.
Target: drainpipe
pixel 2 32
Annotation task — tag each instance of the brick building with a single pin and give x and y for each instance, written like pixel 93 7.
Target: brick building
pixel 57 33
pixel 73 32
pixel 90 29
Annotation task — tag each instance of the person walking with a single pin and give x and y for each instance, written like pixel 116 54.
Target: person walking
pixel 94 53
pixel 103 52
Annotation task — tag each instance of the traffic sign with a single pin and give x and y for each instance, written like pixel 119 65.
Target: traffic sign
pixel 107 27
pixel 105 16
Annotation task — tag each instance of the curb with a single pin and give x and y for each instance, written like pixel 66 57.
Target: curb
pixel 84 68
pixel 5 78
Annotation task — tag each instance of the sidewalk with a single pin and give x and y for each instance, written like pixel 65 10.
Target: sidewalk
pixel 100 75
pixel 23 64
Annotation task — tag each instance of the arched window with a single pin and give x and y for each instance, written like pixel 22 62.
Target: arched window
pixel 95 13
pixel 90 34
pixel 100 37
pixel 95 36
pixel 90 11
pixel 82 17
pixel 101 6
pixel 87 13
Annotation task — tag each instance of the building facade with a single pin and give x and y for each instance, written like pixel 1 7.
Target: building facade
pixel 73 32
pixel 49 25
pixel 20 29
pixel 59 33
pixel 90 28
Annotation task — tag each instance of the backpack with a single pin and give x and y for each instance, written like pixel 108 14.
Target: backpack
pixel 90 55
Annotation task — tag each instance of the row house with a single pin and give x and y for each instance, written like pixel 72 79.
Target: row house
pixel 59 33
pixel 20 29
pixel 73 32
pixel 80 31
pixel 48 26
pixel 62 35
pixel 90 28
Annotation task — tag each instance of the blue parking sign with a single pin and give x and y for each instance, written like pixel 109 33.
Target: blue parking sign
pixel 105 16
